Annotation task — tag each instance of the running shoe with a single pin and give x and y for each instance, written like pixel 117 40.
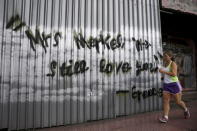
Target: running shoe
pixel 186 114
pixel 163 119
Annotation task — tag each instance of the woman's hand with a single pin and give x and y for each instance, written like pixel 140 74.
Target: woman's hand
pixel 161 71
pixel 171 73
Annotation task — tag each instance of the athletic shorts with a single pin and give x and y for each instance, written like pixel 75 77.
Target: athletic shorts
pixel 172 88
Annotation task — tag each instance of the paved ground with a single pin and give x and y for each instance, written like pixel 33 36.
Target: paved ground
pixel 140 122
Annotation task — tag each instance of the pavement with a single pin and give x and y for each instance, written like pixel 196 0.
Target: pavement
pixel 140 122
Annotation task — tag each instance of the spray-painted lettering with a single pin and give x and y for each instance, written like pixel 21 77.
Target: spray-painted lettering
pixel 95 42
pixel 73 68
pixel 15 23
pixel 152 67
pixel 68 69
pixel 109 67
pixel 141 44
pixel 137 94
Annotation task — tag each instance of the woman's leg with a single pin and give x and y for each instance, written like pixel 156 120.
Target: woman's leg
pixel 178 100
pixel 166 103
pixel 182 104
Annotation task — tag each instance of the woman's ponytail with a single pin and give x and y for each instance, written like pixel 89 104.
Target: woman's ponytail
pixel 173 58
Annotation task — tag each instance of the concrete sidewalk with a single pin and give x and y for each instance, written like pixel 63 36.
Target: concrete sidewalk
pixel 140 122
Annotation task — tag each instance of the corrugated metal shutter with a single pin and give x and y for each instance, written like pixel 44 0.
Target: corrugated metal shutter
pixel 68 61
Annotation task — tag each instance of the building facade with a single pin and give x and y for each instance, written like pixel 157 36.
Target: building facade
pixel 178 23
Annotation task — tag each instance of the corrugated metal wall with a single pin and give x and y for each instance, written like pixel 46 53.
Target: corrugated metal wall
pixel 71 61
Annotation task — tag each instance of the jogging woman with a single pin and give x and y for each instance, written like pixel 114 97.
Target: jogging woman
pixel 171 87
